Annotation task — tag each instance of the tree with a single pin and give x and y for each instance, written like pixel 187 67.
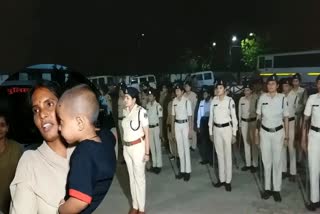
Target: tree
pixel 251 48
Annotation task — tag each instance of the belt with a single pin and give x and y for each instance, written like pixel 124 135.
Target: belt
pixel 291 118
pixel 272 129
pixel 120 118
pixel 153 126
pixel 248 119
pixel 134 142
pixel 316 129
pixel 181 121
pixel 221 125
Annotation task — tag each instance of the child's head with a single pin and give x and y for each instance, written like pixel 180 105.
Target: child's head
pixel 78 110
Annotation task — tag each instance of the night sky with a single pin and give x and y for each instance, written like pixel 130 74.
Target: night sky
pixel 105 36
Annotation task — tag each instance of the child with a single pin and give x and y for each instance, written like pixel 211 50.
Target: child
pixel 90 173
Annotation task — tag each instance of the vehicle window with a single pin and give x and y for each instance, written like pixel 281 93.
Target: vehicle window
pixel 23 76
pixel 46 76
pixel 207 76
pixel 261 62
pixel 151 79
pixel 101 81
pixel 199 77
pixel 268 63
pixel 143 79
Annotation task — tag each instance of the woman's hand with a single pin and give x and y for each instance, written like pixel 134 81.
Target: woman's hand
pixel 146 158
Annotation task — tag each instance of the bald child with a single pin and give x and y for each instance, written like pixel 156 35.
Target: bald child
pixel 90 174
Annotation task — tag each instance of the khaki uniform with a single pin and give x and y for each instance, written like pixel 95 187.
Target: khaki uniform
pixel 170 132
pixel 134 151
pixel 272 111
pixel 181 110
pixel 247 124
pixel 293 102
pixel 223 125
pixel 313 109
pixel 154 114
pixel 193 98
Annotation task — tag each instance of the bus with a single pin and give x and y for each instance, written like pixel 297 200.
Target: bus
pixel 307 63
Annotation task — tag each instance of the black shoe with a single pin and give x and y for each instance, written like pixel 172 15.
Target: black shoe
pixel 204 162
pixel 186 177
pixel 277 196
pixel 228 187
pixel 292 178
pixel 180 175
pixel 266 194
pixel 171 157
pixel 312 206
pixel 219 184
pixel 123 162
pixel 192 149
pixel 284 175
pixel 254 169
pixel 157 170
pixel 245 168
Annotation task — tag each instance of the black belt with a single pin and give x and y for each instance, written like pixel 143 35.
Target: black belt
pixel 221 125
pixel 272 129
pixel 248 119
pixel 291 118
pixel 181 121
pixel 316 129
pixel 153 126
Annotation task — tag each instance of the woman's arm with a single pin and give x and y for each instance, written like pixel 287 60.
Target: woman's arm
pixel 24 200
pixel 72 206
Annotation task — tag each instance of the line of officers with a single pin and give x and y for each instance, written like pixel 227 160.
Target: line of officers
pixel 270 124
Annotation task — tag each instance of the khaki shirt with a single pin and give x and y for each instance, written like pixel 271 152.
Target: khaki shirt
pixel 193 98
pixel 247 107
pixel 154 112
pixel 302 96
pixel 133 123
pixel 313 109
pixel 272 109
pixel 121 106
pixel 40 181
pixel 182 108
pixel 223 112
pixel 8 163
pixel 293 103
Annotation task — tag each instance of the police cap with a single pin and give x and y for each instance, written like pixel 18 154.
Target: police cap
pixel 273 77
pixel 133 92
pixel 297 76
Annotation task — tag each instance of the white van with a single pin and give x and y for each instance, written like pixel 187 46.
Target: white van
pixel 135 81
pixel 102 81
pixel 203 78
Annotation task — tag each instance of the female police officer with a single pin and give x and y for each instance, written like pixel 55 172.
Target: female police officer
pixel 136 147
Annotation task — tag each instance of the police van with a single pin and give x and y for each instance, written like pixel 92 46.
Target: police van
pixel 136 81
pixel 101 81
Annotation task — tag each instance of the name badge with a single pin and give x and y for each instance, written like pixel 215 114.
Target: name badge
pixel 175 105
pixel 200 106
pixel 264 103
pixel 242 104
pixel 215 105
pixel 315 105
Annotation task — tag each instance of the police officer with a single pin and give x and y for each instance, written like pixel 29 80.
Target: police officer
pixel 193 98
pixel 303 96
pixel 205 145
pixel 312 112
pixel 136 147
pixel 170 130
pixel 224 122
pixel 183 126
pixel 121 107
pixel 272 122
pixel 247 125
pixel 293 101
pixel 165 98
pixel 155 115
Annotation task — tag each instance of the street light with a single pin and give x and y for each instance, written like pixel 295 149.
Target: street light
pixel 251 34
pixel 214 44
pixel 234 38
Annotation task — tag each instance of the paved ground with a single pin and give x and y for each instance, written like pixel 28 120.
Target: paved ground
pixel 166 195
